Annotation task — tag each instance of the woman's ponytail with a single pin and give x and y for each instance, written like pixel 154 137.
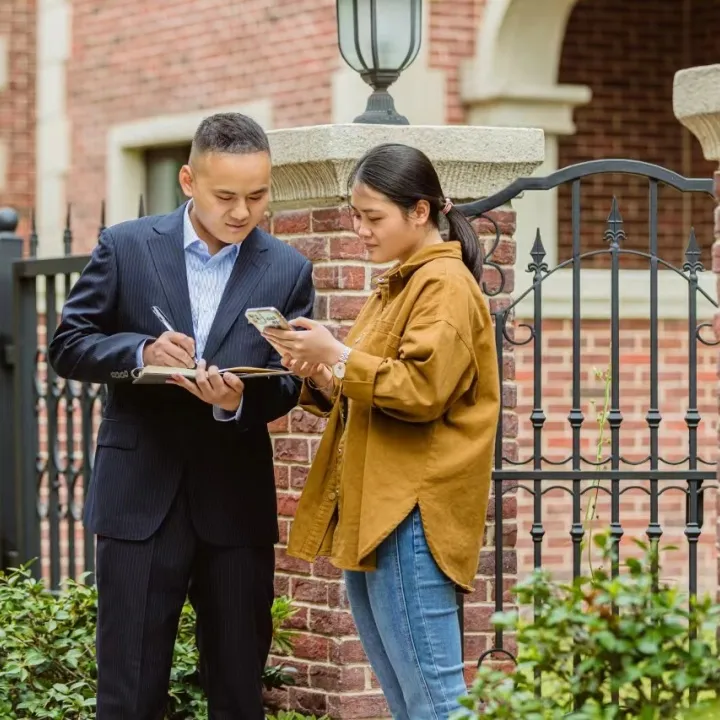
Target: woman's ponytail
pixel 461 230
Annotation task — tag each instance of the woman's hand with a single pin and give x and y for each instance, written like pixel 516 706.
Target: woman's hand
pixel 320 375
pixel 314 344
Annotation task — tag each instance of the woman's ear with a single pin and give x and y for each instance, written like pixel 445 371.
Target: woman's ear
pixel 421 213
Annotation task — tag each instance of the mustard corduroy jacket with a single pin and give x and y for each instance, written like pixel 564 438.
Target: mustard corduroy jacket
pixel 417 424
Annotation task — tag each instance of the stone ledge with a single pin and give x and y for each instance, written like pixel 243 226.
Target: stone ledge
pixel 696 102
pixel 311 165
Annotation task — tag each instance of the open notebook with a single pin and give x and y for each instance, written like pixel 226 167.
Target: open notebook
pixel 157 375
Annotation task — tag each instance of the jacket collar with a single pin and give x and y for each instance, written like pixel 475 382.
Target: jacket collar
pixel 395 279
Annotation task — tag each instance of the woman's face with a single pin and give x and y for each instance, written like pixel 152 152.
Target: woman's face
pixel 387 232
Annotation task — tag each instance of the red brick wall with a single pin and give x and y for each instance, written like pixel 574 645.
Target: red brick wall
pixel 17 106
pixel 628 54
pixel 634 401
pixel 453 30
pixel 132 60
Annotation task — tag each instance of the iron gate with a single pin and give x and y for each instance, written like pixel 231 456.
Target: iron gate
pixel 654 474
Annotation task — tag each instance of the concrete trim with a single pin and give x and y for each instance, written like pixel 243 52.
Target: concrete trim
pixel 312 164
pixel 4 165
pixel 634 295
pixel 696 102
pixel 550 108
pixel 126 143
pixel 4 63
pixel 53 140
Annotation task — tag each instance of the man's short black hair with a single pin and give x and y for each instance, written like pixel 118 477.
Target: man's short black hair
pixel 230 133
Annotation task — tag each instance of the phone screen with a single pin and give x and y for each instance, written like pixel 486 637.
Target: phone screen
pixel 263 318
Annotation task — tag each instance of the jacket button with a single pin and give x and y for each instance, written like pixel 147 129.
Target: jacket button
pixel 332 495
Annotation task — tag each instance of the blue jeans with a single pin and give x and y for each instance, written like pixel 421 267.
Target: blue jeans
pixel 406 615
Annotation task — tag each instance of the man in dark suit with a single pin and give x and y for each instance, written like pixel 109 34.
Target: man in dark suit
pixel 182 498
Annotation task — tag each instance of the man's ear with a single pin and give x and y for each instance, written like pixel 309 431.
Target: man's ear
pixel 186 179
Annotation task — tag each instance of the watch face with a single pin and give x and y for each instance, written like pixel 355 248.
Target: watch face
pixel 339 370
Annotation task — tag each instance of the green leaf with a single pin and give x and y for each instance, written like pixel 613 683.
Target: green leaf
pixel 35 657
pixel 647 646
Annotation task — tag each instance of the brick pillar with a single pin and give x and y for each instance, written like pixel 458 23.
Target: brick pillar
pixel 309 212
pixel 696 102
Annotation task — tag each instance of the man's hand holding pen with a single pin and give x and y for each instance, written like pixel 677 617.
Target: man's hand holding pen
pixel 171 349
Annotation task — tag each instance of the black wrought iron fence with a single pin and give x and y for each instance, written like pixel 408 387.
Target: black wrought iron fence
pixel 613 473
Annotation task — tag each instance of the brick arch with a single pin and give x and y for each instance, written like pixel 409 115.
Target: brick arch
pixel 513 81
pixel 520 42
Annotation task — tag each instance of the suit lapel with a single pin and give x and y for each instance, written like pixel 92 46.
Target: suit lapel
pixel 168 254
pixel 250 266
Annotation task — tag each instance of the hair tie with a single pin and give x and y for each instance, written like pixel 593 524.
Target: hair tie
pixel 448 205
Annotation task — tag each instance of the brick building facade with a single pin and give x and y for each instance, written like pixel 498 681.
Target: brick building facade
pixel 17 105
pixel 136 78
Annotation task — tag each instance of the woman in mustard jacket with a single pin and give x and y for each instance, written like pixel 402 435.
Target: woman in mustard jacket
pixel 398 490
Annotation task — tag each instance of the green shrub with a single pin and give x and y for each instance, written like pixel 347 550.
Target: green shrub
pixel 47 653
pixel 584 653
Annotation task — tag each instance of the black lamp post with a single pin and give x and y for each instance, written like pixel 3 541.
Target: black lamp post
pixel 379 39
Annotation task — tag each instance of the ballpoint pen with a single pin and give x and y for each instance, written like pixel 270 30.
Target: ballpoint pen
pixel 160 315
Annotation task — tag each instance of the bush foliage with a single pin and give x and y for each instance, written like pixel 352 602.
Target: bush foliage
pixel 591 663
pixel 47 653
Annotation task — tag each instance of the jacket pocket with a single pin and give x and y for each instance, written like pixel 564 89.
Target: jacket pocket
pixel 118 435
pixel 381 340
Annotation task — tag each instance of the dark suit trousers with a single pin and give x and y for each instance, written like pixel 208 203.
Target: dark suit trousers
pixel 142 587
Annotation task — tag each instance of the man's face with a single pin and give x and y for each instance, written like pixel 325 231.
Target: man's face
pixel 230 193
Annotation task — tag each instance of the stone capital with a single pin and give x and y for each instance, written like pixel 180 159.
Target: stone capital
pixel 696 102
pixel 311 165
pixel 550 108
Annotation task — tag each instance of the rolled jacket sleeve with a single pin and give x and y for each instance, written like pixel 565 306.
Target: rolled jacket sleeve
pixel 434 367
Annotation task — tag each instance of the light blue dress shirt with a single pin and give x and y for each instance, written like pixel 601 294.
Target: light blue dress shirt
pixel 207 276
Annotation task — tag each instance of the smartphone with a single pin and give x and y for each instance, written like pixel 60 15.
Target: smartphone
pixel 266 317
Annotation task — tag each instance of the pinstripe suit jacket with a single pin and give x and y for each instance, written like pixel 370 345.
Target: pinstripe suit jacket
pixel 153 438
